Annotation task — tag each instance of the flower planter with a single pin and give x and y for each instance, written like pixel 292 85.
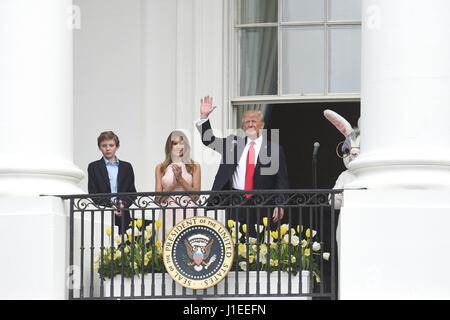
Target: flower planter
pixel 148 281
pixel 263 290
pixel 232 286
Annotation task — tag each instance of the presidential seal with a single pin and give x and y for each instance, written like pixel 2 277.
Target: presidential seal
pixel 198 252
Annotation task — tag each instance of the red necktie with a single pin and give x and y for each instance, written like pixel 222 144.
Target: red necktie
pixel 250 168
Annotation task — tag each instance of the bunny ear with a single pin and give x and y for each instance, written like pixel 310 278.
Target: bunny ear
pixel 338 121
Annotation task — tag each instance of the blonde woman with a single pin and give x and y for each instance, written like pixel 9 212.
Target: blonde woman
pixel 178 172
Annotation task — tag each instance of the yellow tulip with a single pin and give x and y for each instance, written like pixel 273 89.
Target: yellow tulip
pixel 244 228
pixel 230 223
pixel 308 233
pixel 274 234
pixel 118 240
pixel 139 223
pixel 299 229
pixel 233 235
pixel 265 221
pixel 251 259
pixel 304 243
pixel 158 244
pixel 108 231
pixel 242 249
pixel 148 255
pixel 263 249
pixel 307 252
pixel 283 229
pixel 96 266
pixel 158 224
pixel 117 255
pixel 126 249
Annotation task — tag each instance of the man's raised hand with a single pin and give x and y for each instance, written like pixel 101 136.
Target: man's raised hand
pixel 206 107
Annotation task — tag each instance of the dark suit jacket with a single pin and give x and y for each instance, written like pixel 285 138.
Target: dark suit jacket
pixel 231 153
pixel 99 183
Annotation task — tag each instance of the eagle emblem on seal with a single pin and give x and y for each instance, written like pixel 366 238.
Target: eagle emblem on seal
pixel 198 248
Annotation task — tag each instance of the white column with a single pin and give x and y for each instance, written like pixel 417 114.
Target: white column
pixel 159 85
pixel 394 235
pixel 36 147
pixel 36 135
pixel 405 96
pixel 184 59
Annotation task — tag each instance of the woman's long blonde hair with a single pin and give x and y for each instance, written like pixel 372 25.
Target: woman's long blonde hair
pixel 190 164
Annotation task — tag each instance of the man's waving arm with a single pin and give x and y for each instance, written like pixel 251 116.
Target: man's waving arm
pixel 204 126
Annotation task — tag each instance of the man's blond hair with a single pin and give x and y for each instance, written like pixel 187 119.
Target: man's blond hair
pixel 253 111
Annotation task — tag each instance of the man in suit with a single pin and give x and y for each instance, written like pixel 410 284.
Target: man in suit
pixel 111 175
pixel 250 163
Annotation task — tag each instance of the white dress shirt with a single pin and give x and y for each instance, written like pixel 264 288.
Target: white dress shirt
pixel 199 122
pixel 239 173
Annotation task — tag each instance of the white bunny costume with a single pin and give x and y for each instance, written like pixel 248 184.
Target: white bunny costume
pixel 349 149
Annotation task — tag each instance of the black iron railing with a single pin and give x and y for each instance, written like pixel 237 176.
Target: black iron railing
pixel 292 257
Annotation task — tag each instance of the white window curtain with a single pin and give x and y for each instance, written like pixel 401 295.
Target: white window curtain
pixel 259 53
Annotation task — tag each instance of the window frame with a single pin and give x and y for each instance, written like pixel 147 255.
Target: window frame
pixel 233 38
